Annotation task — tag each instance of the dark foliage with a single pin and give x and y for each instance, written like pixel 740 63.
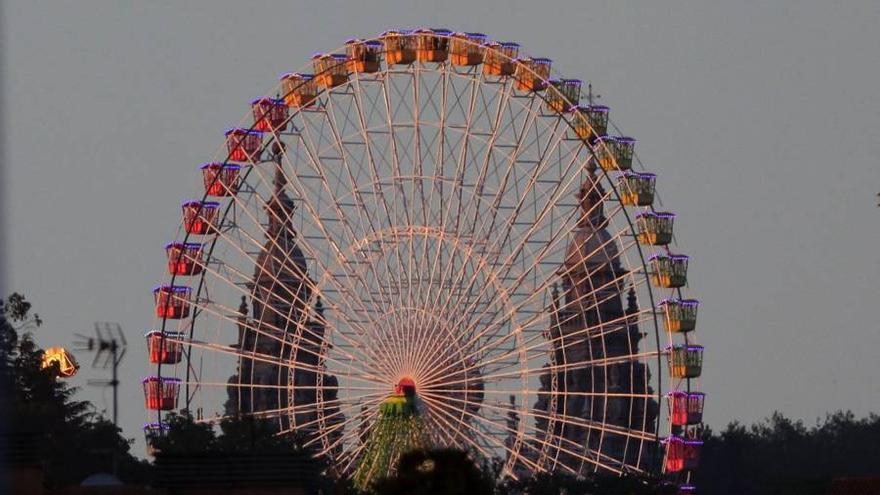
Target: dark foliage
pixel 594 484
pixel 243 440
pixel 450 471
pixel 72 440
pixel 443 471
pixel 781 456
pixel 238 435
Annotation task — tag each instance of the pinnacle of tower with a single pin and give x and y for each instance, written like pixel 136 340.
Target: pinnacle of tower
pixel 319 307
pixel 631 302
pixel 590 196
pixel 242 321
pixel 281 207
pixel 243 308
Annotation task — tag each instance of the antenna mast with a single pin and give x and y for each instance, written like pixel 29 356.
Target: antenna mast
pixel 109 345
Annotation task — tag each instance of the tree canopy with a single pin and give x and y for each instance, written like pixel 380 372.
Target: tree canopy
pixel 782 456
pixel 72 440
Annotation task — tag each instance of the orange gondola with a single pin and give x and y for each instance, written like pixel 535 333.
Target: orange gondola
pixel 300 90
pixel 363 56
pixel 466 49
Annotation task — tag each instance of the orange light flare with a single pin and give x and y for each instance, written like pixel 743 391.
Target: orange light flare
pixel 67 365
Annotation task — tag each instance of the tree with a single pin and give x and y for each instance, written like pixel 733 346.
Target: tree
pixel 781 456
pixel 183 435
pixel 72 440
pixel 591 484
pixel 442 471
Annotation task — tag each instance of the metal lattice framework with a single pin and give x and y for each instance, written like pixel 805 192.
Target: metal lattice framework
pixel 473 230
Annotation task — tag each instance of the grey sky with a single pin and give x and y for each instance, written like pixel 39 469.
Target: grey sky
pixel 762 120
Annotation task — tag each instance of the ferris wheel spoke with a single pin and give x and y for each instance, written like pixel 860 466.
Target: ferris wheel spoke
pixel 272 360
pixel 345 161
pixel 222 314
pixel 298 325
pixel 512 221
pixel 521 136
pixel 351 456
pixel 539 290
pixel 373 169
pixel 557 368
pixel 449 417
pixel 592 331
pixel 278 412
pixel 343 434
pixel 404 203
pixel 327 275
pixel 446 411
pixel 439 402
pixel 563 418
pixel 477 191
pixel 365 285
pixel 457 186
pixel 320 223
pixel 286 261
pixel 459 174
pixel 337 426
pixel 599 330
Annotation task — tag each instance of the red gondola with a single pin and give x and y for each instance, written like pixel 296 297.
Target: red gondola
pixel 200 217
pixel 168 352
pixel 220 179
pixel 270 114
pixel 184 258
pixel 243 144
pixel 172 301
pixel 686 408
pixel 682 454
pixel 160 394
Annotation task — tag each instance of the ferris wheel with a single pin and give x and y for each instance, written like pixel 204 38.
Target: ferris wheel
pixel 430 226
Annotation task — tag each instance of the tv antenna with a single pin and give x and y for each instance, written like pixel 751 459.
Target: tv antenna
pixel 109 345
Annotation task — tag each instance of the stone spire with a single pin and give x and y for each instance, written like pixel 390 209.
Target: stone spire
pixel 631 301
pixel 590 197
pixel 242 321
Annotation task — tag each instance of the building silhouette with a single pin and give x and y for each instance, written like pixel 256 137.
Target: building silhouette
pixel 286 329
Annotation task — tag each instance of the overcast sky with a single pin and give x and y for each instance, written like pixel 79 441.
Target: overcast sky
pixel 761 118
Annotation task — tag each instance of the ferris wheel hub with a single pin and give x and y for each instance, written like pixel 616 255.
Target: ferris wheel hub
pixel 406 386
